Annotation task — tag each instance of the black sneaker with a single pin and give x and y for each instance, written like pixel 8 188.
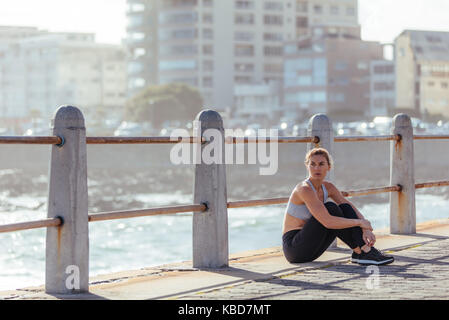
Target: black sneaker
pixel 355 257
pixel 374 256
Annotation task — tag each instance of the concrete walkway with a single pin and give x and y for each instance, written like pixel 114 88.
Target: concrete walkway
pixel 420 271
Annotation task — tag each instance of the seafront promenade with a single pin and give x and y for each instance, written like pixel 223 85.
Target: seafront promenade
pixel 420 271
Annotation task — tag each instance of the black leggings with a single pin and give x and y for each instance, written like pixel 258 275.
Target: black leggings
pixel 313 239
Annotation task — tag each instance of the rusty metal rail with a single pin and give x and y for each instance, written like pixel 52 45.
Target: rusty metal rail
pixel 395 137
pixel 155 140
pixel 430 137
pixel 30 140
pixel 50 222
pixel 103 216
pixel 191 139
pixel 431 184
pixel 146 212
pixel 370 191
pixel 142 140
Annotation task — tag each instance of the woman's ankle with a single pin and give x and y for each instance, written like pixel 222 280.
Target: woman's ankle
pixel 366 248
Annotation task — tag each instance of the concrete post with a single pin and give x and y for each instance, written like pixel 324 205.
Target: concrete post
pixel 67 248
pixel 402 172
pixel 321 126
pixel 210 228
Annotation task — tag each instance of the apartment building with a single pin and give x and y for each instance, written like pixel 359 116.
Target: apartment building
pixel 422 72
pixel 45 70
pixel 329 72
pixel 382 87
pixel 215 45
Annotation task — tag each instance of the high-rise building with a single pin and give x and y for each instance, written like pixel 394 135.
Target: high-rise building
pixel 422 72
pixel 329 72
pixel 382 87
pixel 214 45
pixel 44 70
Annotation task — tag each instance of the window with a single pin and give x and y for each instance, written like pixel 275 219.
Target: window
pixel 301 6
pixel 208 18
pixel 208 34
pixel 242 79
pixel 244 18
pixel 244 4
pixel 290 49
pixel 273 67
pixel 177 34
pixel 177 65
pixel 244 36
pixel 302 22
pixel 271 19
pixel 304 97
pixel 319 96
pixel 244 67
pixel 275 6
pixel 208 3
pixel 319 71
pixel 208 49
pixel 383 69
pixel 341 65
pixel 272 36
pixel 178 50
pixel 178 18
pixel 317 9
pixel 139 82
pixel 135 21
pixel 299 64
pixel 135 67
pixel 361 65
pixel 337 97
pixel 335 10
pixel 208 82
pixel 433 39
pixel 272 51
pixel 383 86
pixel 208 65
pixel 138 52
pixel 244 50
pixel 350 11
pixel 304 81
pixel 138 35
pixel 136 7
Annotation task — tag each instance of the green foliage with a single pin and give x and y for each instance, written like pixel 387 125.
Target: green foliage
pixel 160 103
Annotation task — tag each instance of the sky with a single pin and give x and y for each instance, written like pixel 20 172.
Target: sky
pixel 381 20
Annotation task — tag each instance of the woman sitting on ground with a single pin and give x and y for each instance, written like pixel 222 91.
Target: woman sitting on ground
pixel 311 223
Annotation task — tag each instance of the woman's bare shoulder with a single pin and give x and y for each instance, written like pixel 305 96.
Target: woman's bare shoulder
pixel 329 185
pixel 301 186
pixel 301 189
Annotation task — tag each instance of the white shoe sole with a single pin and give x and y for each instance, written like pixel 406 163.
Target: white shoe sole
pixel 371 262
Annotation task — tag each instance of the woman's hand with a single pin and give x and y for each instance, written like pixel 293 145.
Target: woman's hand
pixel 369 237
pixel 365 225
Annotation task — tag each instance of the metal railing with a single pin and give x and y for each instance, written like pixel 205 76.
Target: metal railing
pixel 67 236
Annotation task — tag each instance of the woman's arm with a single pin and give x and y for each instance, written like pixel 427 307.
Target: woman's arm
pixel 319 211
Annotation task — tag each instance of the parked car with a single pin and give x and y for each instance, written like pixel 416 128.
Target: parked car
pixel 37 132
pixel 128 129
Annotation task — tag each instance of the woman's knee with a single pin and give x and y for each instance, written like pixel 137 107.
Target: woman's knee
pixel 347 210
pixel 333 209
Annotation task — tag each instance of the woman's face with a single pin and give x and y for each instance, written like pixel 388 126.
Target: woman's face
pixel 318 166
